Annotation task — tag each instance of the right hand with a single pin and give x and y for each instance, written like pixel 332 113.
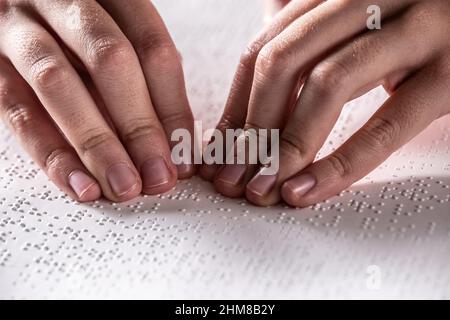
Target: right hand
pixel 93 89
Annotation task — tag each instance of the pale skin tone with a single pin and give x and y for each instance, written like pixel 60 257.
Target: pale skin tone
pixel 94 88
pixel 326 48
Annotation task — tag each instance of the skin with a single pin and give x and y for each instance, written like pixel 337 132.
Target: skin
pixel 93 89
pixel 326 48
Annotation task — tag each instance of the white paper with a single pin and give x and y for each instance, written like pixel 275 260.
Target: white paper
pixel 386 237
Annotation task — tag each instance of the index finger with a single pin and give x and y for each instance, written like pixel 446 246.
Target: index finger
pixel 161 63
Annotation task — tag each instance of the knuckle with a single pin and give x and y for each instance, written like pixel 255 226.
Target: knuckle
pixel 157 49
pixel 55 159
pixel 341 164
pixel 48 73
pixel 229 121
pixel 18 117
pixel 328 76
pixel 272 61
pixel 381 133
pixel 141 128
pixel 250 55
pixel 93 139
pixel 254 125
pixel 360 52
pixel 177 118
pixel 107 52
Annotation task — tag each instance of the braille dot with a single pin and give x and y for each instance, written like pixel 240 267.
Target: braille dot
pixel 196 242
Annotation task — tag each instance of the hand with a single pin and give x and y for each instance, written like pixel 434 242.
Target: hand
pixel 272 7
pixel 93 89
pixel 327 48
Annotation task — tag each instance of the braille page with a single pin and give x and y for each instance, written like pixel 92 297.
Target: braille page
pixel 388 236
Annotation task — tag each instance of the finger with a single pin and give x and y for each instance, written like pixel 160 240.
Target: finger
pixel 28 120
pixel 41 62
pixel 289 55
pixel 411 109
pixel 293 51
pixel 160 60
pixel 231 178
pixel 98 101
pixel 272 7
pixel 91 33
pixel 362 64
pixel 235 111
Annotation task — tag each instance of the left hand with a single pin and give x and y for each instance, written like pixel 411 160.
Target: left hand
pixel 326 47
pixel 93 89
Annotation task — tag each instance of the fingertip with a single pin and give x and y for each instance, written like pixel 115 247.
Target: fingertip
pixel 161 189
pixel 208 172
pixel 124 182
pixel 186 171
pixel 230 180
pixel 256 198
pixel 227 189
pixel 158 176
pixel 92 193
pixel 130 195
pixel 288 195
pixel 84 186
pixel 295 191
pixel 263 191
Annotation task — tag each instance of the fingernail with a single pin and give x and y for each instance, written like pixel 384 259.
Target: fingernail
pixel 80 182
pixel 301 185
pixel 208 172
pixel 262 184
pixel 232 174
pixel 121 179
pixel 184 170
pixel 155 173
